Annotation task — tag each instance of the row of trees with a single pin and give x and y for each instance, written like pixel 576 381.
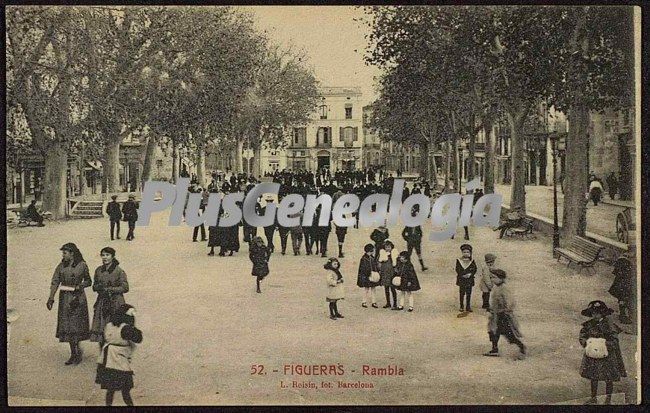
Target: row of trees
pixel 193 76
pixel 451 71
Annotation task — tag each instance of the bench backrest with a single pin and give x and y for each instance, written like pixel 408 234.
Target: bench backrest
pixel 585 247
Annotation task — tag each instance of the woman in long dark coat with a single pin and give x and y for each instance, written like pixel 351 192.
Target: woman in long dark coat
pixel 111 284
pixel 72 321
pixel 610 368
pixel 378 236
pixel 408 279
pixel 259 255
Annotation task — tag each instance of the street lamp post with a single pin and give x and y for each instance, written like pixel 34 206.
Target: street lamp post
pixel 556 227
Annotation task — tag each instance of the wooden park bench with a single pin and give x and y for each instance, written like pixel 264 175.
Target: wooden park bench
pixel 580 251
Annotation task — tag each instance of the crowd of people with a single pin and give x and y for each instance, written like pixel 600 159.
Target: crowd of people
pixel 380 266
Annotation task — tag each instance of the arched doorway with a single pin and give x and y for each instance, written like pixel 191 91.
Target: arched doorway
pixel 323 158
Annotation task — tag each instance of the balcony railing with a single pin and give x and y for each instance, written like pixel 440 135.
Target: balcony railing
pixel 327 144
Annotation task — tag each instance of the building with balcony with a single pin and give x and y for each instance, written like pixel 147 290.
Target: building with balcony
pixel 332 139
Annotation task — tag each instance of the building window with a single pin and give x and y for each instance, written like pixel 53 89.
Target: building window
pixel 323 136
pixel 323 111
pixel 348 112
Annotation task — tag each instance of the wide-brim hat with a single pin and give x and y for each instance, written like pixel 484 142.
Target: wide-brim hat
pixel 596 306
pixel 69 246
pixel 131 196
pixel 489 257
pixel 466 247
pixel 498 272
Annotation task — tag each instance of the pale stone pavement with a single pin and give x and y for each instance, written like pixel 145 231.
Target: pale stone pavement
pixel 204 325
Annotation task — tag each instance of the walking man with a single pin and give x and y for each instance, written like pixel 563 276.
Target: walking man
pixel 115 215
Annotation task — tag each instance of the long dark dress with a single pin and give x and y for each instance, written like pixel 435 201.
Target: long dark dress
pixel 110 284
pixel 610 368
pixel 72 321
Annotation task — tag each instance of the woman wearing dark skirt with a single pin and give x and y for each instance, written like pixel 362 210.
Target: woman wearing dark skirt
pixel 259 255
pixel 114 371
pixel 111 284
pixel 71 276
pixel 609 368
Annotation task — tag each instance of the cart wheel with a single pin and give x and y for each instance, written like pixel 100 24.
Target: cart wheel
pixel 621 229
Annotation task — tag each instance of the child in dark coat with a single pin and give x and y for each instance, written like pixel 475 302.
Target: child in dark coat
pixel 368 265
pixel 408 280
pixel 609 368
pixel 465 270
pixel 259 255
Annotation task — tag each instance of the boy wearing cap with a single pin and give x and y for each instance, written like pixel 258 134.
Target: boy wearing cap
pixel 486 283
pixel 465 271
pixel 115 215
pixel 502 319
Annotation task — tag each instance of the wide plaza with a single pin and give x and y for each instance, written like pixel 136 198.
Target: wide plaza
pixel 205 327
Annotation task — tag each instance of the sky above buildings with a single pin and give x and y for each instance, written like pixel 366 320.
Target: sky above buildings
pixel 333 41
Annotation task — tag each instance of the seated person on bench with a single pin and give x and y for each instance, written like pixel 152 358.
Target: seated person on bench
pixel 514 219
pixel 32 214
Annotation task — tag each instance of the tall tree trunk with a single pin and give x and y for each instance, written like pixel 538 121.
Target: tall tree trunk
pixel 433 178
pixel 257 162
pixel 425 162
pixel 56 171
pixel 149 155
pixel 200 166
pixel 490 158
pixel 471 161
pixel 576 183
pixel 175 161
pixel 239 152
pixel 518 182
pixel 456 163
pixel 447 164
pixel 112 166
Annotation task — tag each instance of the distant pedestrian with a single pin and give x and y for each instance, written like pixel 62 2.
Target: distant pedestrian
pixel 408 280
pixel 624 289
pixel 379 236
pixel 296 234
pixel 486 279
pixel 70 278
pixel 502 321
pixel 413 238
pixel 114 215
pixel 259 255
pixel 612 185
pixel 602 360
pixel 32 214
pixel 114 372
pixel 595 190
pixel 110 283
pixel 465 271
pixel 334 287
pixel 130 214
pixel 368 276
